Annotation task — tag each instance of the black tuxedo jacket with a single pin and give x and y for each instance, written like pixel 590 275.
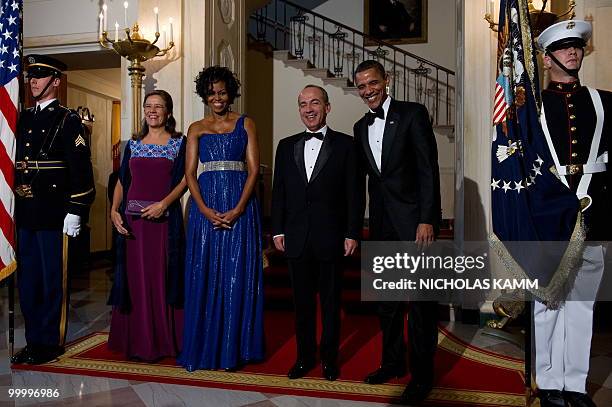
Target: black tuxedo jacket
pixel 324 209
pixel 406 191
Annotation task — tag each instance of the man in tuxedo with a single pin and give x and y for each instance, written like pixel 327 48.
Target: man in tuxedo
pixel 315 221
pixel 396 149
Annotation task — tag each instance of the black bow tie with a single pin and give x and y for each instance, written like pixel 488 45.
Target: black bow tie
pixel 378 112
pixel 37 110
pixel 308 135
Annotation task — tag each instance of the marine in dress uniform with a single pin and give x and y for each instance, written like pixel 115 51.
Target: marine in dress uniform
pixel 54 189
pixel 577 123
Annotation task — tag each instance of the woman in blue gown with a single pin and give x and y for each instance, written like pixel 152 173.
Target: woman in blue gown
pixel 223 265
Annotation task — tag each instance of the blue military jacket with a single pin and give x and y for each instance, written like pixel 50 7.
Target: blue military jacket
pixel 53 174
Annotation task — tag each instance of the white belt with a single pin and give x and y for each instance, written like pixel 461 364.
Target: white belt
pixel 593 165
pixel 600 165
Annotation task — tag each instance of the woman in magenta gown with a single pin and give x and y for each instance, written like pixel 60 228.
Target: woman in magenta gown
pixel 147 293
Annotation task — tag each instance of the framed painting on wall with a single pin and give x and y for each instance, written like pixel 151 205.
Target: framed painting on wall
pixel 395 21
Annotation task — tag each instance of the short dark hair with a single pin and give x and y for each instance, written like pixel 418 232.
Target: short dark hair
pixel 170 124
pixel 213 74
pixel 323 91
pixel 370 64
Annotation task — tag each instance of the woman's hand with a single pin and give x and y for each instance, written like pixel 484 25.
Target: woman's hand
pixel 155 210
pixel 118 222
pixel 229 217
pixel 214 217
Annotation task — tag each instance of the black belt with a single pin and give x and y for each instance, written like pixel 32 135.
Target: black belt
pixel 40 165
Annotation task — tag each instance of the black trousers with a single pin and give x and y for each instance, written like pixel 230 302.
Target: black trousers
pixel 310 275
pixel 422 326
pixel 43 289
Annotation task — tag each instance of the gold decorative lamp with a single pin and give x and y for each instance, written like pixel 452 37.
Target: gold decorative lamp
pixel 136 49
pixel 540 19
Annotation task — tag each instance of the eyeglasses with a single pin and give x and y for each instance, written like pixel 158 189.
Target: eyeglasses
pixel 154 107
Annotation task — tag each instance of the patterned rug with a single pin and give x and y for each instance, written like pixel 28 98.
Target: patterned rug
pixel 465 375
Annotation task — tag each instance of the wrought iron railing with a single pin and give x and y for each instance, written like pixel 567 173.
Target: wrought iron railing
pixel 338 48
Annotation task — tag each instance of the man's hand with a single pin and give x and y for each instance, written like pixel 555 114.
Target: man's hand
pixel 279 243
pixel 349 246
pixel 424 235
pixel 72 225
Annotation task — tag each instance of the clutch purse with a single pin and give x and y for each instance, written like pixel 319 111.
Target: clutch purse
pixel 134 207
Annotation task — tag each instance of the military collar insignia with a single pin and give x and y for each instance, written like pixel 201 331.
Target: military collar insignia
pixel 564 87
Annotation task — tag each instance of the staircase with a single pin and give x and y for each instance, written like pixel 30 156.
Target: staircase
pixel 330 50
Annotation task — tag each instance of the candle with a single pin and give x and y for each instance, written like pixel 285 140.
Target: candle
pixel 116 31
pixel 156 11
pixel 105 11
pixel 490 7
pixel 171 31
pixel 101 29
pixel 125 7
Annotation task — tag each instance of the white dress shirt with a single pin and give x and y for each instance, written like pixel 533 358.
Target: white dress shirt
pixel 375 134
pixel 312 148
pixel 45 103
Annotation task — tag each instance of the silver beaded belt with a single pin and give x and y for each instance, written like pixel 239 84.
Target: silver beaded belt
pixel 224 166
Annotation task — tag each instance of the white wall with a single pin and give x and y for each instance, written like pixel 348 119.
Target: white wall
pixel 597 65
pixel 56 20
pixel 441 46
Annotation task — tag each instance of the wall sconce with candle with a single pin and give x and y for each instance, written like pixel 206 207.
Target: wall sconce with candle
pixel 136 49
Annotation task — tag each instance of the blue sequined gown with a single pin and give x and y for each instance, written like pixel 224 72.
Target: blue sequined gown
pixel 223 268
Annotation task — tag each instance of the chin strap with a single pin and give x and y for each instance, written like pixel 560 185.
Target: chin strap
pixel 45 89
pixel 571 72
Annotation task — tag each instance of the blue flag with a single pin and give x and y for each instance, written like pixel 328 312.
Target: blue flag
pixel 529 201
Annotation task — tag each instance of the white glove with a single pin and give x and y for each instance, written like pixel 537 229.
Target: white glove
pixel 72 225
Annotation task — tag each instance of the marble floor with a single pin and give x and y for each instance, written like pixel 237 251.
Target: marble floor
pixel 89 313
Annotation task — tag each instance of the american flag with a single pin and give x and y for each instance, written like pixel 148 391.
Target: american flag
pixel 10 68
pixel 529 203
pixel 502 100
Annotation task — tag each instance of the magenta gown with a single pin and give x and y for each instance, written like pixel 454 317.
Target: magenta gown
pixel 152 329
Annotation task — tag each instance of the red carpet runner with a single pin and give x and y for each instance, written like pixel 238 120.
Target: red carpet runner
pixel 465 375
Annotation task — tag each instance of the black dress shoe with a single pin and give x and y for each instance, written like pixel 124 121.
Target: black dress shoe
pixel 576 399
pixel 330 371
pixel 236 368
pixel 300 369
pixel 551 398
pixel 22 356
pixel 415 393
pixel 44 354
pixel 384 374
